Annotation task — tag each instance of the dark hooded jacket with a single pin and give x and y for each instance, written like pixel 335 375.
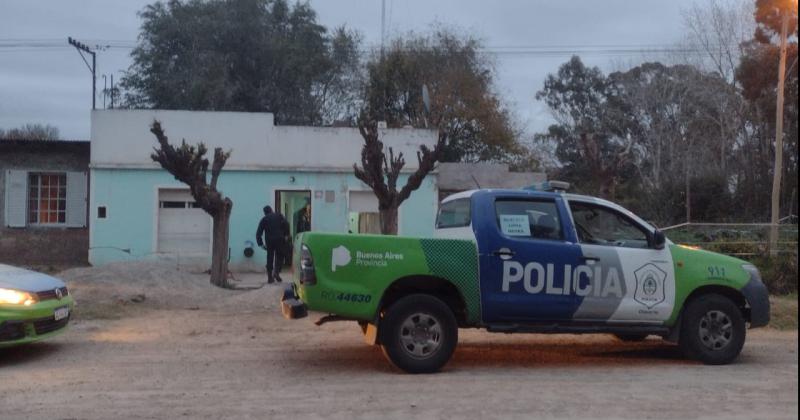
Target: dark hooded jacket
pixel 272 227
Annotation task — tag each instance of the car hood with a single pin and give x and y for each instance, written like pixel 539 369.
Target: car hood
pixel 26 280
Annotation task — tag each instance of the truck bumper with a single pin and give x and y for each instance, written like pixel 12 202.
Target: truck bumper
pixel 291 306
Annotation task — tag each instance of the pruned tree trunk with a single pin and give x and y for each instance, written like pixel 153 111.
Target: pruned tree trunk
pixel 389 220
pixel 380 172
pixel 189 165
pixel 219 246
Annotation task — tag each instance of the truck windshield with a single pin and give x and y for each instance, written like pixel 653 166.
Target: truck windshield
pixel 455 213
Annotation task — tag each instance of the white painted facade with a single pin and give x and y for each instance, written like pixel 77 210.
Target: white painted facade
pixel 122 139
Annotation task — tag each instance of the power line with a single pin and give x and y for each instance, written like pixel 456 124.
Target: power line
pixel 522 50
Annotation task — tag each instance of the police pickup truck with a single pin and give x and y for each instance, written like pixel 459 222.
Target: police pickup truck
pixel 526 261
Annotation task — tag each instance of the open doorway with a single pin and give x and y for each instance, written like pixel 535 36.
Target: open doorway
pixel 295 206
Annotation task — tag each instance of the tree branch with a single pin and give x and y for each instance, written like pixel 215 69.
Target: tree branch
pixel 426 163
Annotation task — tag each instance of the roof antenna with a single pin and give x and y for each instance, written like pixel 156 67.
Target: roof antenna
pixel 475 180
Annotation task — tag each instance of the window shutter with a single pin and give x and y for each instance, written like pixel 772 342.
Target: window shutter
pixel 16 198
pixel 76 199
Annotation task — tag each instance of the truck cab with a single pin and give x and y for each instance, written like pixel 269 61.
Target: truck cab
pixel 549 256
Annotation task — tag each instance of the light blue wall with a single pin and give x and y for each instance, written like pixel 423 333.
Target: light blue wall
pixel 131 199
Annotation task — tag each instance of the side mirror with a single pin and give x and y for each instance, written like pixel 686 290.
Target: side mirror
pixel 659 240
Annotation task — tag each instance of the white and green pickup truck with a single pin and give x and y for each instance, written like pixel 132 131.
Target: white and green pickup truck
pixel 523 261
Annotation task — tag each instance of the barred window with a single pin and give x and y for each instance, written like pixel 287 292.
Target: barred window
pixel 47 198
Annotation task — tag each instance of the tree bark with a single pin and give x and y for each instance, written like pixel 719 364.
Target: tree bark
pixel 389 221
pixel 688 192
pixel 219 246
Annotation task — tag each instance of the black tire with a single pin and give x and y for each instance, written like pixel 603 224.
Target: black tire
pixel 712 330
pixel 419 334
pixel 631 338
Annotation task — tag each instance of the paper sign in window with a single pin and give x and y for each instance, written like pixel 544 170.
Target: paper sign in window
pixel 515 225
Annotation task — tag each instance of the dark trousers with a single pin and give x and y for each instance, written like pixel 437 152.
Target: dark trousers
pixel 274 256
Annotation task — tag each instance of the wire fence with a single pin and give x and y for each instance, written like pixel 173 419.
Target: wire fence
pixel 736 239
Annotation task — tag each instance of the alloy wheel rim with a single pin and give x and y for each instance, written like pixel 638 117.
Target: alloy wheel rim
pixel 715 330
pixel 421 335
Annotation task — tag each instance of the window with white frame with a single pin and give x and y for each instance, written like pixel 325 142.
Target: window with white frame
pixel 47 198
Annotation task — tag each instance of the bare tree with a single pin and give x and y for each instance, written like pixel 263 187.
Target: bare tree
pixel 381 173
pixel 31 132
pixel 717 30
pixel 189 165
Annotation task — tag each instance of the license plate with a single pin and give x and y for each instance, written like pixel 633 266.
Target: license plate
pixel 61 313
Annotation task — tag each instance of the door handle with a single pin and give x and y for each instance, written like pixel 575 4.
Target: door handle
pixel 588 258
pixel 503 253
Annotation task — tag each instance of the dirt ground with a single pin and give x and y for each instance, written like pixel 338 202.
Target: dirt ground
pixel 220 354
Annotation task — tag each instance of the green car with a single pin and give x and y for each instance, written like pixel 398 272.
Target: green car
pixel 33 306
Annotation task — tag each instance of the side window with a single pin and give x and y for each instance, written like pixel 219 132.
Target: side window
pixel 47 198
pixel 528 218
pixel 453 214
pixel 603 226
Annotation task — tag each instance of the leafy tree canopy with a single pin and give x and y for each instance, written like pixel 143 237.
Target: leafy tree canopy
pixel 460 81
pixel 241 55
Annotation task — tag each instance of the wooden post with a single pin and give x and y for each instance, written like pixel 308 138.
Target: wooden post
pixel 776 176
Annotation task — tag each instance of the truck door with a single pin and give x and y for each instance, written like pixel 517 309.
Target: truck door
pixel 526 250
pixel 627 279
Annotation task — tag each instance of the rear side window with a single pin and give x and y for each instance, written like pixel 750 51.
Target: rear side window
pixel 529 219
pixel 453 214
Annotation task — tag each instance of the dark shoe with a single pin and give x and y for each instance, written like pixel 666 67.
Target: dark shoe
pixel 278 278
pixel 269 279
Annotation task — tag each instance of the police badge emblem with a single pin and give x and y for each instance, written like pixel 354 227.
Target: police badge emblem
pixel 649 285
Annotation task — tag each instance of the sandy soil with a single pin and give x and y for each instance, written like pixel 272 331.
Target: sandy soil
pixel 221 354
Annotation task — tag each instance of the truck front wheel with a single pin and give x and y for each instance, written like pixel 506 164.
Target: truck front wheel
pixel 713 330
pixel 419 333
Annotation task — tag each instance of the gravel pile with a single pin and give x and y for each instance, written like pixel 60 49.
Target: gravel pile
pixel 159 285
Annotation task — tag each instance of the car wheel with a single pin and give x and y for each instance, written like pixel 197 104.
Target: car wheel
pixel 419 333
pixel 713 330
pixel 631 338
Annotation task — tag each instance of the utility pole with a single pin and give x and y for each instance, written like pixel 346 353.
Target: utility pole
pixel 81 47
pixel 776 176
pixel 383 24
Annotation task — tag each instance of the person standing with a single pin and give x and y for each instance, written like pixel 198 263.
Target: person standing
pixel 271 236
pixel 303 218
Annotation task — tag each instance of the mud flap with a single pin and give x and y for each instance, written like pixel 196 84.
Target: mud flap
pixel 371 334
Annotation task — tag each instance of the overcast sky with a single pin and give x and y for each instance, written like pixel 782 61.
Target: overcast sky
pixel 51 84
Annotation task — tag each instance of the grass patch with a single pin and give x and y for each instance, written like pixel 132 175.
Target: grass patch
pixel 783 312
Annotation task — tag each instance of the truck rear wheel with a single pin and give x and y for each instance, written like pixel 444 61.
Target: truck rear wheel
pixel 419 333
pixel 713 330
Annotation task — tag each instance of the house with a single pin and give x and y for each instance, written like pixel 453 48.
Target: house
pixel 43 202
pixel 139 211
pixel 456 177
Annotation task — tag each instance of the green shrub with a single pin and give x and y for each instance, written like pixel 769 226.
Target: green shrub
pixel 779 273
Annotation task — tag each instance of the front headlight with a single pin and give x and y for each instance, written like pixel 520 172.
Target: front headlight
pixel 15 297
